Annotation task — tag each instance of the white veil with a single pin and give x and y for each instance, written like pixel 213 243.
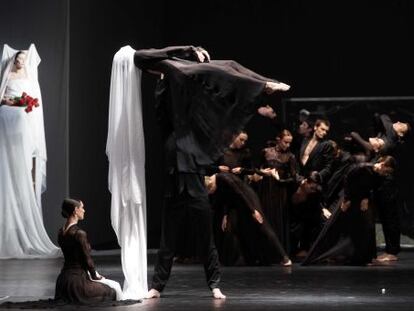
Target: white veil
pixel 36 116
pixel 126 154
pixel 22 138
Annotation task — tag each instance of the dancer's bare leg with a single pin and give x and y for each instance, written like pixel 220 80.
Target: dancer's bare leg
pixel 152 293
pixel 272 87
pixel 217 294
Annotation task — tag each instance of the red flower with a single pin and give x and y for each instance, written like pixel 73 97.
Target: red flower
pixel 26 101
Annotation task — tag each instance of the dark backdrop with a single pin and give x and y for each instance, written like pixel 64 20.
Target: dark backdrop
pixel 323 49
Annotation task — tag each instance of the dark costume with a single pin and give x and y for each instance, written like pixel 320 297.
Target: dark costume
pixel 73 283
pixel 306 216
pixel 200 106
pixel 384 128
pixel 349 235
pixel 340 167
pixel 258 242
pixel 387 193
pixel 385 196
pixel 231 244
pixel 275 194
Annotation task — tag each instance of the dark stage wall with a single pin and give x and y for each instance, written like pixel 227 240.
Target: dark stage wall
pixel 45 23
pixel 330 49
pixel 98 30
pixel 351 48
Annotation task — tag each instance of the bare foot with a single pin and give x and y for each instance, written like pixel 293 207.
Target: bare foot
pixel 217 294
pixel 386 257
pixel 286 262
pixel 152 293
pixel 272 87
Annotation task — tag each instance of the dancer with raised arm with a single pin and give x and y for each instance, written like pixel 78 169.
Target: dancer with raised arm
pixel 202 104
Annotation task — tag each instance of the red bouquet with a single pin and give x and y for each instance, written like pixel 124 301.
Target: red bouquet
pixel 26 101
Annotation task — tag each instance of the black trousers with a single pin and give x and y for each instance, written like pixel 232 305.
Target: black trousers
pixel 306 224
pixel 386 202
pixel 360 226
pixel 177 210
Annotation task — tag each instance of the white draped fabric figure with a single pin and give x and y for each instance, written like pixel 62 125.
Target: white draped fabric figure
pixel 126 155
pixel 23 162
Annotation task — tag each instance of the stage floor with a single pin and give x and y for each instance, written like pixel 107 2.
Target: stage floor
pixel 247 288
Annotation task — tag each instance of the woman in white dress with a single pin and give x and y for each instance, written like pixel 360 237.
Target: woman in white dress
pixel 23 160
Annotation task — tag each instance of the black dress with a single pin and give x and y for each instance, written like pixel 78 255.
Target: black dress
pixel 73 283
pixel 349 235
pixel 258 242
pixel 275 194
pixel 233 244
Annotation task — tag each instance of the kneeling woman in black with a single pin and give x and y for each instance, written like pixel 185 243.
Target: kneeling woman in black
pixel 77 280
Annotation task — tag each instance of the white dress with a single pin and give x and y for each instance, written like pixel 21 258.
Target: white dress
pixel 22 233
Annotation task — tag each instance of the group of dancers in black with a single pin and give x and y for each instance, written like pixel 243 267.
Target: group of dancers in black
pixel 314 203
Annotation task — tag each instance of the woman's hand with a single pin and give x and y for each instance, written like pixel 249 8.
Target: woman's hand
pixel 257 216
pixel 267 112
pixel 326 213
pixel 266 171
pixel 7 101
pixel 255 177
pixel 237 170
pixel 202 55
pixel 345 205
pixel 224 223
pixel 364 205
pixel 99 277
pixel 275 174
pixel 224 169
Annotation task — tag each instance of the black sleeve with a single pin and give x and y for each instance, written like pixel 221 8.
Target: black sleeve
pixel 151 58
pixel 358 182
pixel 292 171
pixel 363 143
pixel 327 158
pixel 81 237
pixel 246 163
pixel 387 125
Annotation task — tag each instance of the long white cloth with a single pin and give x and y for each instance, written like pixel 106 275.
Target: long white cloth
pixel 126 154
pixel 22 233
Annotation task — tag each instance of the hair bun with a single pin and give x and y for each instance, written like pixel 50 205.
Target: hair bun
pixel 68 207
